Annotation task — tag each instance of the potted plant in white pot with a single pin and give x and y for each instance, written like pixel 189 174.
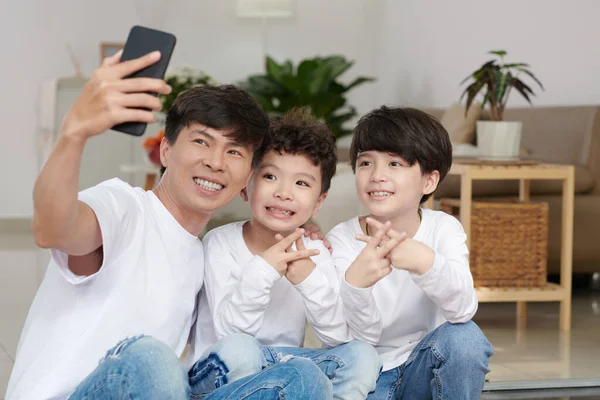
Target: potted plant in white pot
pixel 498 138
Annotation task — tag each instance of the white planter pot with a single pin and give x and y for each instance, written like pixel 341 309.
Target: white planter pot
pixel 499 139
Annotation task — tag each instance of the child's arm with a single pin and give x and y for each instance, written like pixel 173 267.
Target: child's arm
pixel 238 295
pixel 319 287
pixel 357 276
pixel 443 272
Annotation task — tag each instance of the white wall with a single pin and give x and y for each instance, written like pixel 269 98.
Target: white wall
pixel 430 46
pixel 418 49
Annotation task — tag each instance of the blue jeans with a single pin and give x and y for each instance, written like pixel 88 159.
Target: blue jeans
pixel 352 368
pixel 136 368
pixel 449 363
pixel 144 368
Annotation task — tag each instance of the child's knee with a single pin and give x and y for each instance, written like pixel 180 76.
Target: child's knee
pixel 239 352
pixel 464 343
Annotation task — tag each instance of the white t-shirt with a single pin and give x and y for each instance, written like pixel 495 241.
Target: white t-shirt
pixel 148 282
pixel 400 309
pixel 243 293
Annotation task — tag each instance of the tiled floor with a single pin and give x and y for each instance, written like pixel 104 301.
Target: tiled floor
pixel 539 353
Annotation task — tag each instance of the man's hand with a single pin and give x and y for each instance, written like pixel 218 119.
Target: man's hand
pixel 108 99
pixel 300 269
pixel 372 263
pixel 408 254
pixel 279 257
pixel 314 231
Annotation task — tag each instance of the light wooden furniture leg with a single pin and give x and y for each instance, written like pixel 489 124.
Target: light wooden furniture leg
pixel 524 196
pixel 150 180
pixel 466 193
pixel 566 252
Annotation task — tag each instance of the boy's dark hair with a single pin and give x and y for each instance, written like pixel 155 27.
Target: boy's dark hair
pixel 412 134
pixel 224 107
pixel 298 132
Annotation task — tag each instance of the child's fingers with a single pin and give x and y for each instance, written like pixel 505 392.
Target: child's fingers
pixel 279 237
pixel 290 239
pixel 363 238
pixel 297 255
pixel 391 232
pixel 300 244
pixel 375 241
pixel 386 247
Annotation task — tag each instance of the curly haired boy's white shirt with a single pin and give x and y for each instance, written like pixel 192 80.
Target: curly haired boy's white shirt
pixel 244 294
pixel 400 309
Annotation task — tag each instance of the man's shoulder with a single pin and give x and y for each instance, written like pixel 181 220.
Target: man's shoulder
pixel 114 189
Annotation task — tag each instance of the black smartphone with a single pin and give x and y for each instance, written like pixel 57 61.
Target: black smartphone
pixel 141 41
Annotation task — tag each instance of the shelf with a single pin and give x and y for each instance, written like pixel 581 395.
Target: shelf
pixel 549 292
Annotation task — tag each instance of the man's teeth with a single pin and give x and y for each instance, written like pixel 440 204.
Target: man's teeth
pixel 208 185
pixel 277 210
pixel 380 194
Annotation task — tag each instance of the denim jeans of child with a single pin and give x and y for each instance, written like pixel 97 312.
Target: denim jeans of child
pixel 449 363
pixel 144 368
pixel 352 368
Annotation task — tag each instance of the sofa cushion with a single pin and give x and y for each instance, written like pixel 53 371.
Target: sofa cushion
pixel 461 127
pixel 450 187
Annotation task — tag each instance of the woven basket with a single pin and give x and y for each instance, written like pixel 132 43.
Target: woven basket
pixel 509 242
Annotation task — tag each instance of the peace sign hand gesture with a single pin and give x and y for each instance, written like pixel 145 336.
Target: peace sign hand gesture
pixel 280 255
pixel 372 263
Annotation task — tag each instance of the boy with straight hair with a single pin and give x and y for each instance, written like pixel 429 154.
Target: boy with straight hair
pixel 255 284
pixel 413 301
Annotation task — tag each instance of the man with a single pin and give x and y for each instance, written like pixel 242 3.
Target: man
pixel 127 264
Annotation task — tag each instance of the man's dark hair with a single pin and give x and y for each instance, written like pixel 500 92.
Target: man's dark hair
pixel 225 107
pixel 412 134
pixel 298 132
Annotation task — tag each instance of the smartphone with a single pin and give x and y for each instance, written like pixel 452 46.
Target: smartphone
pixel 141 41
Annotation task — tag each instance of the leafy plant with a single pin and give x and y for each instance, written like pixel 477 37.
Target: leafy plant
pixel 497 79
pixel 181 80
pixel 313 83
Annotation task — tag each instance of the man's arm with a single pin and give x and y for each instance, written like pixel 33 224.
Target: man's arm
pixel 61 221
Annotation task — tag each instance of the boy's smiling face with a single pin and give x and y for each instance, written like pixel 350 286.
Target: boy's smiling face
pixel 388 186
pixel 285 191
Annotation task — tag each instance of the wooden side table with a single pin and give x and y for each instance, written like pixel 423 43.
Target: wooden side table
pixel 525 173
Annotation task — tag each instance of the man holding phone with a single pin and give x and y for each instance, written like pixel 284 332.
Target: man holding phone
pixel 126 264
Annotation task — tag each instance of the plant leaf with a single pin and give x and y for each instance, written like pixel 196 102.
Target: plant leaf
pixel 337 65
pixel 273 69
pixel 525 71
pixel 500 53
pixel 515 65
pixel 358 81
pixel 521 88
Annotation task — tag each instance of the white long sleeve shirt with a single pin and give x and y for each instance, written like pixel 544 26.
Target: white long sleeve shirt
pixel 400 309
pixel 245 294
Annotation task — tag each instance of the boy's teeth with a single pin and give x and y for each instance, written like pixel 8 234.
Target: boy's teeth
pixel 208 185
pixel 380 193
pixel 277 210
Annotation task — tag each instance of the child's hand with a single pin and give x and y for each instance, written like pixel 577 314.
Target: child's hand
pixel 408 254
pixel 314 232
pixel 372 263
pixel 298 270
pixel 278 256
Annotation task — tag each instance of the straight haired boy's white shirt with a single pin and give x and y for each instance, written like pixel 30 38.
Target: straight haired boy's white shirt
pixel 147 285
pixel 243 293
pixel 400 309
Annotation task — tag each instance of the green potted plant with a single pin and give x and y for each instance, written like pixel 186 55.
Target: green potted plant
pixel 313 83
pixel 495 80
pixel 181 80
